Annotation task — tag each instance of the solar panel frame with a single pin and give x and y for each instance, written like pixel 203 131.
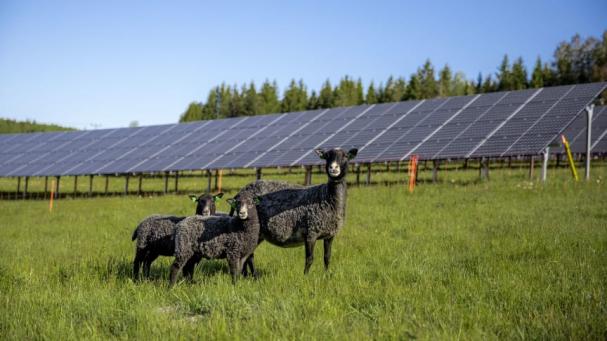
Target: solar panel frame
pixel 496 124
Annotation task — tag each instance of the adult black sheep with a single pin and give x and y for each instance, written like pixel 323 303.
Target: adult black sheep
pixel 292 215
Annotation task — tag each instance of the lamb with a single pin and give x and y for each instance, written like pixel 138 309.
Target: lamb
pixel 155 234
pixel 292 215
pixel 205 204
pixel 259 188
pixel 215 237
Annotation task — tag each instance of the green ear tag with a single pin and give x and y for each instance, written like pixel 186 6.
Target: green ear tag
pixel 232 203
pixel 193 198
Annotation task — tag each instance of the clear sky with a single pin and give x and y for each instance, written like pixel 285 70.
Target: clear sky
pixel 104 64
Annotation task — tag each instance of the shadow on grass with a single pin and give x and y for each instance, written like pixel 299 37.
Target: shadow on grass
pixel 122 270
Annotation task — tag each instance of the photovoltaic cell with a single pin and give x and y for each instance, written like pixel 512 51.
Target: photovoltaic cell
pixel 495 124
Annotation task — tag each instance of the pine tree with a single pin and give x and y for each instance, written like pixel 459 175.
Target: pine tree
pixel 251 101
pixel 428 85
pixel 414 88
pixel 388 89
pixel 346 93
pixel 518 75
pixel 225 101
pixel 235 105
pixel 549 75
pixel 381 93
pixel 479 83
pixel 325 98
pixel 268 98
pixel 399 92
pixel 313 101
pixel 394 91
pixel 537 77
pixel 360 92
pixel 209 109
pixel 444 83
pixel 489 85
pixel 504 75
pixel 192 113
pixel 295 97
pixel 371 94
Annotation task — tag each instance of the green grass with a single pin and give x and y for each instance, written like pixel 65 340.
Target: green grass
pixel 508 258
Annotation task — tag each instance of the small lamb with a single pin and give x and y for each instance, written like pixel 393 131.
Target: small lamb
pixel 155 234
pixel 215 237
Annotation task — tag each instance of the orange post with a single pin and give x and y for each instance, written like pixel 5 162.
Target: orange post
pixel 412 172
pixel 50 204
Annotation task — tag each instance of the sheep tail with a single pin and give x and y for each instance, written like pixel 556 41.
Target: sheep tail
pixel 135 234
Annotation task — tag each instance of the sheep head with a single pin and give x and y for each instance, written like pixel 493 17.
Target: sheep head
pixel 336 161
pixel 244 205
pixel 206 203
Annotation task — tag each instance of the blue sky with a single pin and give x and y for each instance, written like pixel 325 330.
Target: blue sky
pixel 104 64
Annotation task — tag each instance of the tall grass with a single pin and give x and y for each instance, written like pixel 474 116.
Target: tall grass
pixel 508 258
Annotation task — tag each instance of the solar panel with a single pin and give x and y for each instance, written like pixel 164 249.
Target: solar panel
pixel 576 132
pixel 495 124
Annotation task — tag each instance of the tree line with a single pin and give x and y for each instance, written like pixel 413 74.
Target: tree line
pixel 575 61
pixel 8 126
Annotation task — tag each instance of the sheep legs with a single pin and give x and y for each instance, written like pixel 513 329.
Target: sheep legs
pixel 235 265
pixel 139 258
pixel 250 264
pixel 327 245
pixel 309 254
pixel 149 258
pixel 178 264
pixel 188 269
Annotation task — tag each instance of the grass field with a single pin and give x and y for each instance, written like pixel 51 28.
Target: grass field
pixel 508 258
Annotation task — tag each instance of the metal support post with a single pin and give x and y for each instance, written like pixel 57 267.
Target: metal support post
pixel 25 183
pixel 258 173
pixel 368 174
pixel 531 167
pixel 484 169
pixel 166 182
pixel 435 164
pixel 545 159
pixel 308 176
pixel 589 113
pixel 216 179
pixel 91 185
pixel 140 184
pixel 57 191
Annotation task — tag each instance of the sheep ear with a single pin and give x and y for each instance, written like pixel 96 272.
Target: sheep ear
pixel 320 153
pixel 193 198
pixel 217 196
pixel 352 153
pixel 232 203
pixel 257 200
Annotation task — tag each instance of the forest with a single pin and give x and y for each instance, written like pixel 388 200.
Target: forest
pixel 9 126
pixel 579 60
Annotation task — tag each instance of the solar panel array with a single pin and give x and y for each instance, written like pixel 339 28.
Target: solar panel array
pixel 492 125
pixel 576 133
